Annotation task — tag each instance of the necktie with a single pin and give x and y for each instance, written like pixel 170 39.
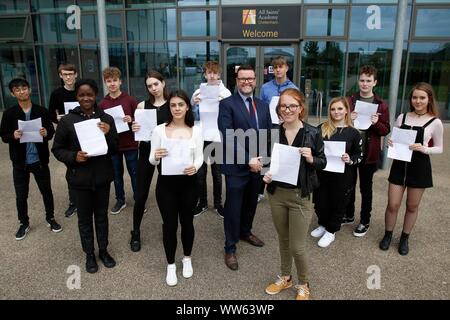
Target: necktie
pixel 251 111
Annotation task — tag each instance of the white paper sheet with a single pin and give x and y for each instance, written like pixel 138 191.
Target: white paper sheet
pixel 209 112
pixel 273 113
pixel 69 106
pixel 118 115
pixel 92 140
pixel 401 140
pixel 365 110
pixel 30 130
pixel 285 163
pixel 333 152
pixel 148 121
pixel 180 156
pixel 209 92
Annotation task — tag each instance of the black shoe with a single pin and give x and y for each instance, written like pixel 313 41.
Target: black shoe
pixel 107 260
pixel 71 210
pixel 91 263
pixel 201 207
pixel 346 220
pixel 386 241
pixel 54 226
pixel 135 243
pixel 22 232
pixel 403 247
pixel 361 230
pixel 119 206
pixel 219 210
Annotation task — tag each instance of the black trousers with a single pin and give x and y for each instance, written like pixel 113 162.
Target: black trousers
pixel 366 172
pixel 92 206
pixel 177 197
pixel 71 195
pixel 332 196
pixel 21 178
pixel 217 179
pixel 144 175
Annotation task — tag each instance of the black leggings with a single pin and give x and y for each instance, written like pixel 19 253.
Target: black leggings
pixel 332 196
pixel 144 175
pixel 177 197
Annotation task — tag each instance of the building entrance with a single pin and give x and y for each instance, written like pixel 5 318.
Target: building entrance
pixel 260 58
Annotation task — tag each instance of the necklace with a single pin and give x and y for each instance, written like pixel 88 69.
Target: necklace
pixel 420 114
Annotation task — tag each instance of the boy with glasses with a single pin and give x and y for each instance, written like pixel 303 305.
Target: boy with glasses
pixel 68 74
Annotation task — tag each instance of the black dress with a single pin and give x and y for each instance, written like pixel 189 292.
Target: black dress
pixel 417 173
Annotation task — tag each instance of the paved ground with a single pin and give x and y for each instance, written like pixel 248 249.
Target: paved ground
pixel 36 267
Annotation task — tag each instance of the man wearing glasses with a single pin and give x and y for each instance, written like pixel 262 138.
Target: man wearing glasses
pixel 243 121
pixel 66 93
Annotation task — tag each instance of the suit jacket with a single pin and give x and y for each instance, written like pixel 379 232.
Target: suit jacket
pixel 242 145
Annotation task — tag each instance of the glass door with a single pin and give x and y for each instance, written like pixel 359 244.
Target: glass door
pixel 235 56
pixel 260 58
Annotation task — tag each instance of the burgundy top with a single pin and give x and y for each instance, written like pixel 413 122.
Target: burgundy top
pixel 129 104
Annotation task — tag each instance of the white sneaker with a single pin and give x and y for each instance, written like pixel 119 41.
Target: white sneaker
pixel 326 239
pixel 318 232
pixel 187 267
pixel 171 278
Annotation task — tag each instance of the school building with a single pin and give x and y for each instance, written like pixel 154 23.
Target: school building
pixel 324 41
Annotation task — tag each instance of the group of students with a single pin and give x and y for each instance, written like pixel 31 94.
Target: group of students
pixel 181 197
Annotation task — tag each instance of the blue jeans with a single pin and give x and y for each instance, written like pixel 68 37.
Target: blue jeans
pixel 131 157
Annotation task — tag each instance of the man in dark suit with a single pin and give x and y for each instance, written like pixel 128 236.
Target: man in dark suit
pixel 245 124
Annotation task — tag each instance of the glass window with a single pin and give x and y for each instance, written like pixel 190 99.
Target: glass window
pixel 270 2
pixel 48 58
pixel 325 22
pixel 376 1
pixel 50 6
pixel 433 23
pixel 432 1
pixel 198 2
pixel 91 66
pixel 13 28
pixel 147 25
pixel 198 23
pixel 323 69
pixel 430 62
pixel 378 54
pixel 143 57
pixel 376 22
pixel 326 1
pixel 89 26
pixel 192 57
pixel 52 28
pixel 14 6
pixel 17 61
pixel 146 4
pixel 92 4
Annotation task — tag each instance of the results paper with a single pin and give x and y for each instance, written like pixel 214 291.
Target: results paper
pixel 30 130
pixel 401 140
pixel 92 140
pixel 147 120
pixel 118 115
pixel 333 152
pixel 365 110
pixel 285 163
